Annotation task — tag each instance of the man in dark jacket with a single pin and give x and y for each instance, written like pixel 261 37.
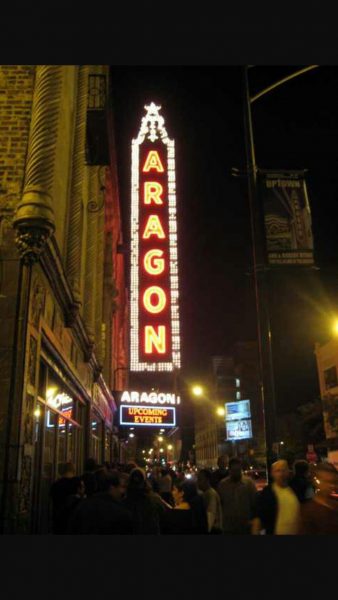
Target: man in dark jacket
pixel 277 509
pixel 103 512
pixel 59 492
pixel 220 473
pixel 300 482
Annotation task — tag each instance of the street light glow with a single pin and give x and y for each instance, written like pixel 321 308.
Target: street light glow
pixel 335 327
pixel 197 390
pixel 170 447
pixel 160 438
pixel 220 411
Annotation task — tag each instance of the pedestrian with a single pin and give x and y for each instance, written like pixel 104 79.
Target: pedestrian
pixel 165 487
pixel 211 500
pixel 320 514
pixel 189 515
pixel 88 476
pixel 238 496
pixel 141 504
pixel 60 490
pixel 277 508
pixel 301 482
pixel 221 472
pixel 75 497
pixel 103 512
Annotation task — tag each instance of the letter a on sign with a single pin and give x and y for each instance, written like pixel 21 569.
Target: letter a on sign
pixel 153 227
pixel 153 162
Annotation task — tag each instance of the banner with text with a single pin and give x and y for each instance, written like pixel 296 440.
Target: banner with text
pixel 287 218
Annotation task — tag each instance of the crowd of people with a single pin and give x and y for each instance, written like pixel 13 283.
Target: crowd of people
pixel 128 499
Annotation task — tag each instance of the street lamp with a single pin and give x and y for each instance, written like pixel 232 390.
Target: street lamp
pixel 220 411
pixel 335 327
pixel 267 386
pixel 197 390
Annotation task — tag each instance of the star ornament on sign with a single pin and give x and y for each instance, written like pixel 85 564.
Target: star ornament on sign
pixel 153 121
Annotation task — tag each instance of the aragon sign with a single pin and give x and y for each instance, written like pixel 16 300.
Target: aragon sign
pixel 149 398
pixel 154 312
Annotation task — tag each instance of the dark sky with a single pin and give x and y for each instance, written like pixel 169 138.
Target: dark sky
pixel 295 127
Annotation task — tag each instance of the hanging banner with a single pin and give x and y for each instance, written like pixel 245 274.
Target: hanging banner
pixel 287 218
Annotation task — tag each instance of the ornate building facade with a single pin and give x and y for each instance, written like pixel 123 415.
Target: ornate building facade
pixel 63 296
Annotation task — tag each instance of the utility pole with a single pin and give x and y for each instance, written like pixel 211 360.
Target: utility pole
pixel 260 274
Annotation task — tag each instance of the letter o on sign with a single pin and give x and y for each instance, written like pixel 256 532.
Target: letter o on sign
pixel 160 299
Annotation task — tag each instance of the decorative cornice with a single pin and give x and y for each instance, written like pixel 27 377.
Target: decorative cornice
pixel 34 218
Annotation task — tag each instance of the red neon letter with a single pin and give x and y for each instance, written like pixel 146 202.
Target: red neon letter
pixel 152 192
pixel 153 339
pixel 161 299
pixel 153 227
pixel 153 162
pixel 152 264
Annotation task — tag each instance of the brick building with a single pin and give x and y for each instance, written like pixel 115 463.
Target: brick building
pixel 63 298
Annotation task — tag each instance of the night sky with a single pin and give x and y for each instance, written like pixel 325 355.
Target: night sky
pixel 295 127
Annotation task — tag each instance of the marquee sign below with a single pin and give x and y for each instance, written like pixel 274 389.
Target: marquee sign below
pixel 154 313
pixel 148 416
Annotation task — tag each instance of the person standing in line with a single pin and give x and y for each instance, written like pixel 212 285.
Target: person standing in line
pixel 212 501
pixel 59 492
pixel 189 516
pixel 320 514
pixel 165 487
pixel 88 476
pixel 277 510
pixel 300 482
pixel 102 512
pixel 238 496
pixel 221 472
pixel 141 504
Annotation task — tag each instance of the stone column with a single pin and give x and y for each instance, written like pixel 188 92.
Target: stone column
pixel 34 218
pixel 75 223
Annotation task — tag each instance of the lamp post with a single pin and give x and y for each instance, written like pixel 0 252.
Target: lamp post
pixel 260 266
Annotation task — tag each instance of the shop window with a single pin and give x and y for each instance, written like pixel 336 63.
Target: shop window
pixel 330 377
pixel 96 437
pixel 108 446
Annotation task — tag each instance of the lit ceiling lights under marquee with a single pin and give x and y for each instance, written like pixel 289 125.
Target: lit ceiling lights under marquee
pixel 154 308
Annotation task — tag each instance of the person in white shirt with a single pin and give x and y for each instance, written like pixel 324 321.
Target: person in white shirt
pixel 277 509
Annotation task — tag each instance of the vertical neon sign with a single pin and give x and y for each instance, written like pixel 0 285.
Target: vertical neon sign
pixel 154 310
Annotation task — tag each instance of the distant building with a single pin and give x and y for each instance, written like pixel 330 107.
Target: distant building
pixel 63 298
pixel 327 364
pixel 232 378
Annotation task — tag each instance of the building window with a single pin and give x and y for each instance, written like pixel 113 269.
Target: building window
pixel 97 92
pixel 238 383
pixel 330 378
pixel 96 435
pixel 238 395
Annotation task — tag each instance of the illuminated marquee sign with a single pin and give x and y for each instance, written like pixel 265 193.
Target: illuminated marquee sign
pixel 154 313
pixel 160 398
pixel 148 415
